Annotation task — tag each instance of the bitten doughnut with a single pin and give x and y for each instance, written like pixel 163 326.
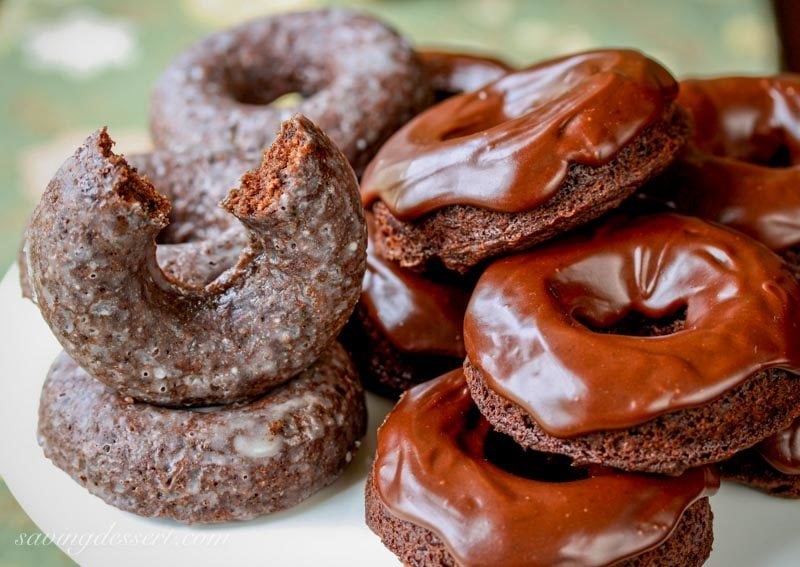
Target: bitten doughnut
pixel 211 464
pixel 157 340
pixel 445 489
pixel 406 329
pixel 452 73
pixel 655 344
pixel 536 153
pixel 360 81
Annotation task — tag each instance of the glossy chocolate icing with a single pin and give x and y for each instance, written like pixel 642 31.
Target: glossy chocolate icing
pixel 507 147
pixel 782 450
pixel 431 469
pixel 417 315
pixel 744 170
pixel 526 324
pixel 453 73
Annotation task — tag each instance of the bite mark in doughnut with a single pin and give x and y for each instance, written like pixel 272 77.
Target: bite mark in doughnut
pixel 360 81
pixel 211 465
pixel 543 371
pixel 445 490
pixel 525 158
pixel 160 341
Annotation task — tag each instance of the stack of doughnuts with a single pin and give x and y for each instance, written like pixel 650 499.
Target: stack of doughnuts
pixel 584 270
pixel 622 345
pixel 201 378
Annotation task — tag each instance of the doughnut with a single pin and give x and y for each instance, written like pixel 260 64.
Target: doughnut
pixel 530 156
pixel 451 73
pixel 157 340
pixel 502 505
pixel 742 170
pixel 743 165
pixel 406 329
pixel 360 81
pixel 652 344
pixel 225 463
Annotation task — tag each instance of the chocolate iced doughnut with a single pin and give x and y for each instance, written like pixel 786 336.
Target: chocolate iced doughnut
pixel 522 160
pixel 216 464
pixel 742 168
pixel 451 73
pixel 160 341
pixel 653 344
pixel 501 505
pixel 359 79
pixel 406 328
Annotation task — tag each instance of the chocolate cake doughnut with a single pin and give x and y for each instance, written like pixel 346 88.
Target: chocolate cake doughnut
pixel 445 489
pixel 360 81
pixel 742 167
pixel 653 344
pixel 526 158
pixel 226 463
pixel 406 329
pixel 157 340
pixel 451 73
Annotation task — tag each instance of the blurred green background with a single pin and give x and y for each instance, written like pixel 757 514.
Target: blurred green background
pixel 67 68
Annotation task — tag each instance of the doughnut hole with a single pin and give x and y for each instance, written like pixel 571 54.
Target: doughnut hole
pixel 503 452
pixel 257 86
pixel 635 324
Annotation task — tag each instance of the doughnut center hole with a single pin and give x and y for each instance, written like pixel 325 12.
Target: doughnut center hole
pixel 503 452
pixel 635 324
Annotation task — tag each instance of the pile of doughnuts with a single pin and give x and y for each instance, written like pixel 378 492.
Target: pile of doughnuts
pixel 579 276
pixel 603 261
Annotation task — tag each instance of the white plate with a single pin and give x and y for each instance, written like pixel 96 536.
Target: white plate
pixel 749 528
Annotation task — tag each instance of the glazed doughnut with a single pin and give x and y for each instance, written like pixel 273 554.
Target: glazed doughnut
pixel 156 340
pixel 501 505
pixel 452 73
pixel 687 345
pixel 226 463
pixel 538 152
pixel 360 81
pixel 406 329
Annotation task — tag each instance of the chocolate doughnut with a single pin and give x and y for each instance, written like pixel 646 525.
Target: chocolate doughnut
pixel 360 81
pixel 530 156
pixel 652 344
pixel 91 260
pixel 226 463
pixel 445 489
pixel 452 73
pixel 742 167
pixel 406 329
